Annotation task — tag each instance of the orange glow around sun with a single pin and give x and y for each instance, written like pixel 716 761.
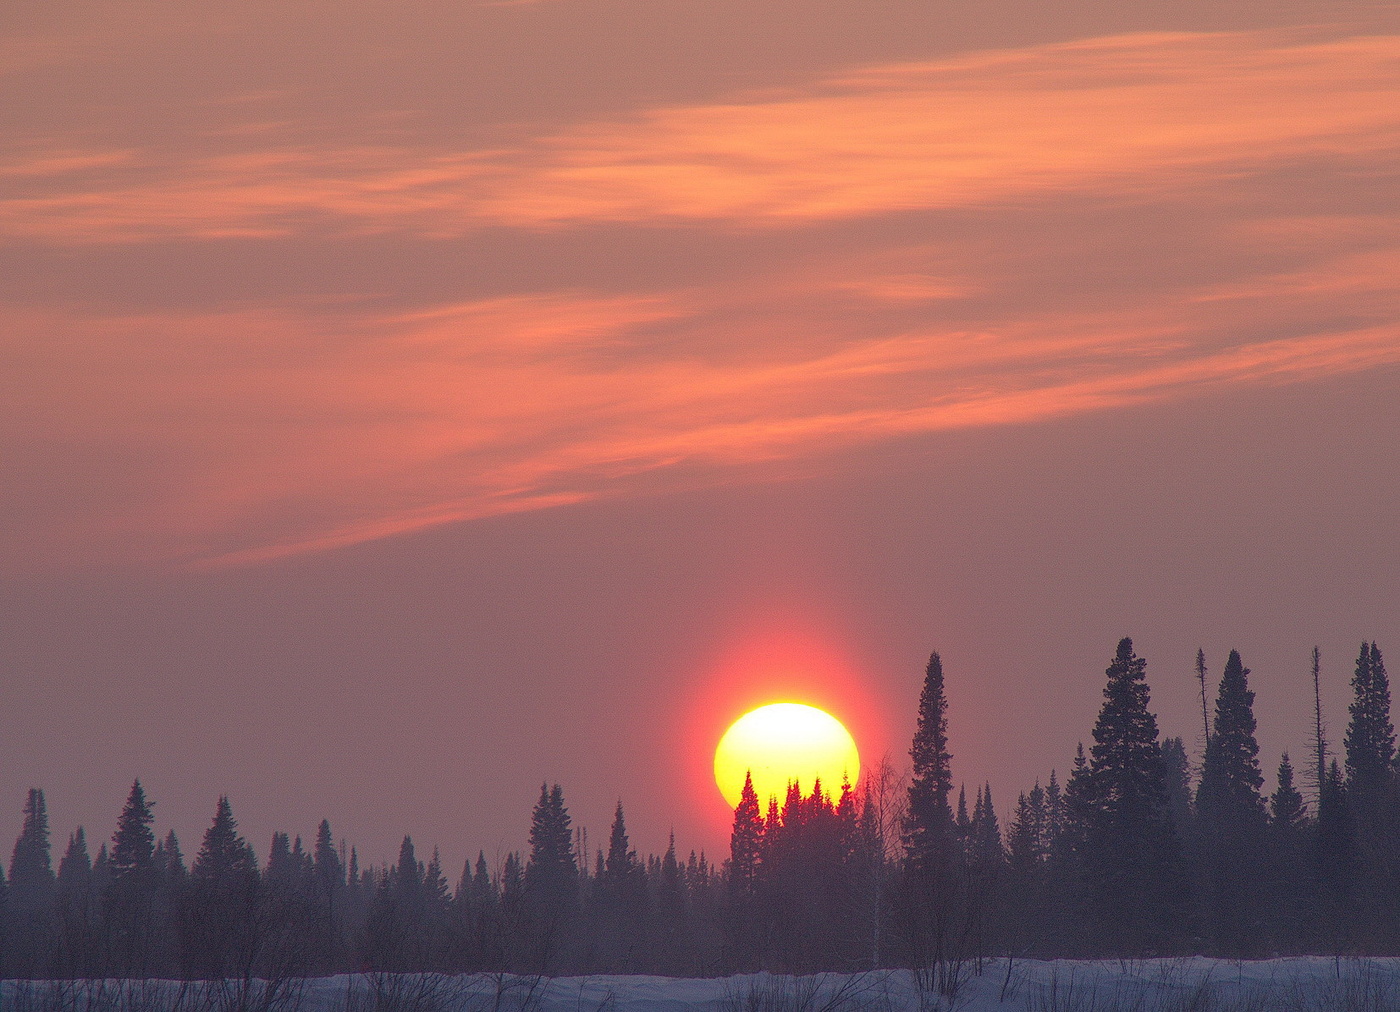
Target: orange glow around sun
pixel 781 743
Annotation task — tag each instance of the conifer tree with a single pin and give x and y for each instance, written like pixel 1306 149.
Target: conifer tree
pixel 986 849
pixel 621 865
pixel 31 892
pixel 551 879
pixel 133 844
pixel 1288 880
pixel 1287 810
pixel 1054 811
pixel 1335 856
pixel 1231 813
pixel 1131 855
pixel 76 908
pixel 1176 768
pixel 928 823
pixel 129 880
pixel 1319 740
pixel 218 921
pixel 1025 836
pixel 1230 776
pixel 551 870
pixel 31 867
pixel 1370 737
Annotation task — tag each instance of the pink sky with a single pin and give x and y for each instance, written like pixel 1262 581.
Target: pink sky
pixel 401 407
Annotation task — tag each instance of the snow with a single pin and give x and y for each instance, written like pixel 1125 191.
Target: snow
pixel 1303 984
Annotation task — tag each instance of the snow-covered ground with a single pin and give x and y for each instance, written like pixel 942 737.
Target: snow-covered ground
pixel 1306 984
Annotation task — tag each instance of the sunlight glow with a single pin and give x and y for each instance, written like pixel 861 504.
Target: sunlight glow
pixel 780 743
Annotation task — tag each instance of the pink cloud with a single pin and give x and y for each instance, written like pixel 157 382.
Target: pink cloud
pixel 1132 112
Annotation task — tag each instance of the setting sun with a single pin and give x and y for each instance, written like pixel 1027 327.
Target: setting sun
pixel 780 743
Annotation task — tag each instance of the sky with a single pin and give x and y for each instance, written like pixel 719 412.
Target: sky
pixel 401 406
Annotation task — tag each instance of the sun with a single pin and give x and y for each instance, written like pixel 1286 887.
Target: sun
pixel 780 743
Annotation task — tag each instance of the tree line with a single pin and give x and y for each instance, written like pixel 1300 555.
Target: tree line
pixel 1140 851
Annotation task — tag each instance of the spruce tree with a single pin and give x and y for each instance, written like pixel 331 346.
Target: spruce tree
pixel 1288 882
pixel 621 865
pixel 218 922
pixel 31 865
pixel 129 880
pixel 1176 768
pixel 928 822
pixel 1231 813
pixel 551 880
pixel 1287 810
pixel 1131 856
pixel 31 892
pixel 1370 737
pixel 551 871
pixel 1335 860
pixel 134 843
pixel 76 908
pixel 1230 776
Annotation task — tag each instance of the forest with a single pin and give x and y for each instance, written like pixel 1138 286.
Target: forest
pixel 1137 851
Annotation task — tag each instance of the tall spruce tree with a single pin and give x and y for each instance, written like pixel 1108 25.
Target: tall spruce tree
pixel 1131 857
pixel 130 880
pixel 1230 776
pixel 551 880
pixel 77 910
pixel 134 843
pixel 928 822
pixel 217 926
pixel 1370 737
pixel 31 864
pixel 933 907
pixel 745 842
pixel 31 893
pixel 551 871
pixel 1231 815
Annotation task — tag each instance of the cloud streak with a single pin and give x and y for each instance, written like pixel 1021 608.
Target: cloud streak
pixel 1131 112
pixel 217 436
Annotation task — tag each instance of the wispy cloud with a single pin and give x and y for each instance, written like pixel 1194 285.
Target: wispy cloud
pixel 1134 112
pixel 214 436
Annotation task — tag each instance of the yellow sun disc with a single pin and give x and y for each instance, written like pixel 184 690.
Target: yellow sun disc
pixel 780 743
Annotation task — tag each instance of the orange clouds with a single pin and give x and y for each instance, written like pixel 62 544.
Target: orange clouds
pixel 245 426
pixel 986 127
pixel 1133 112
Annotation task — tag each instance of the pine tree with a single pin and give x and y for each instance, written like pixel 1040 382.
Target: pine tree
pixel 928 823
pixel 31 891
pixel 551 870
pixel 1130 852
pixel 621 866
pixel 1230 776
pixel 1288 882
pixel 1176 769
pixel 1319 739
pixel 985 832
pixel 129 880
pixel 1287 809
pixel 1370 737
pixel 1231 814
pixel 31 867
pixel 76 908
pixel 551 880
pixel 218 919
pixel 133 844
pixel 1335 857
pixel 745 841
